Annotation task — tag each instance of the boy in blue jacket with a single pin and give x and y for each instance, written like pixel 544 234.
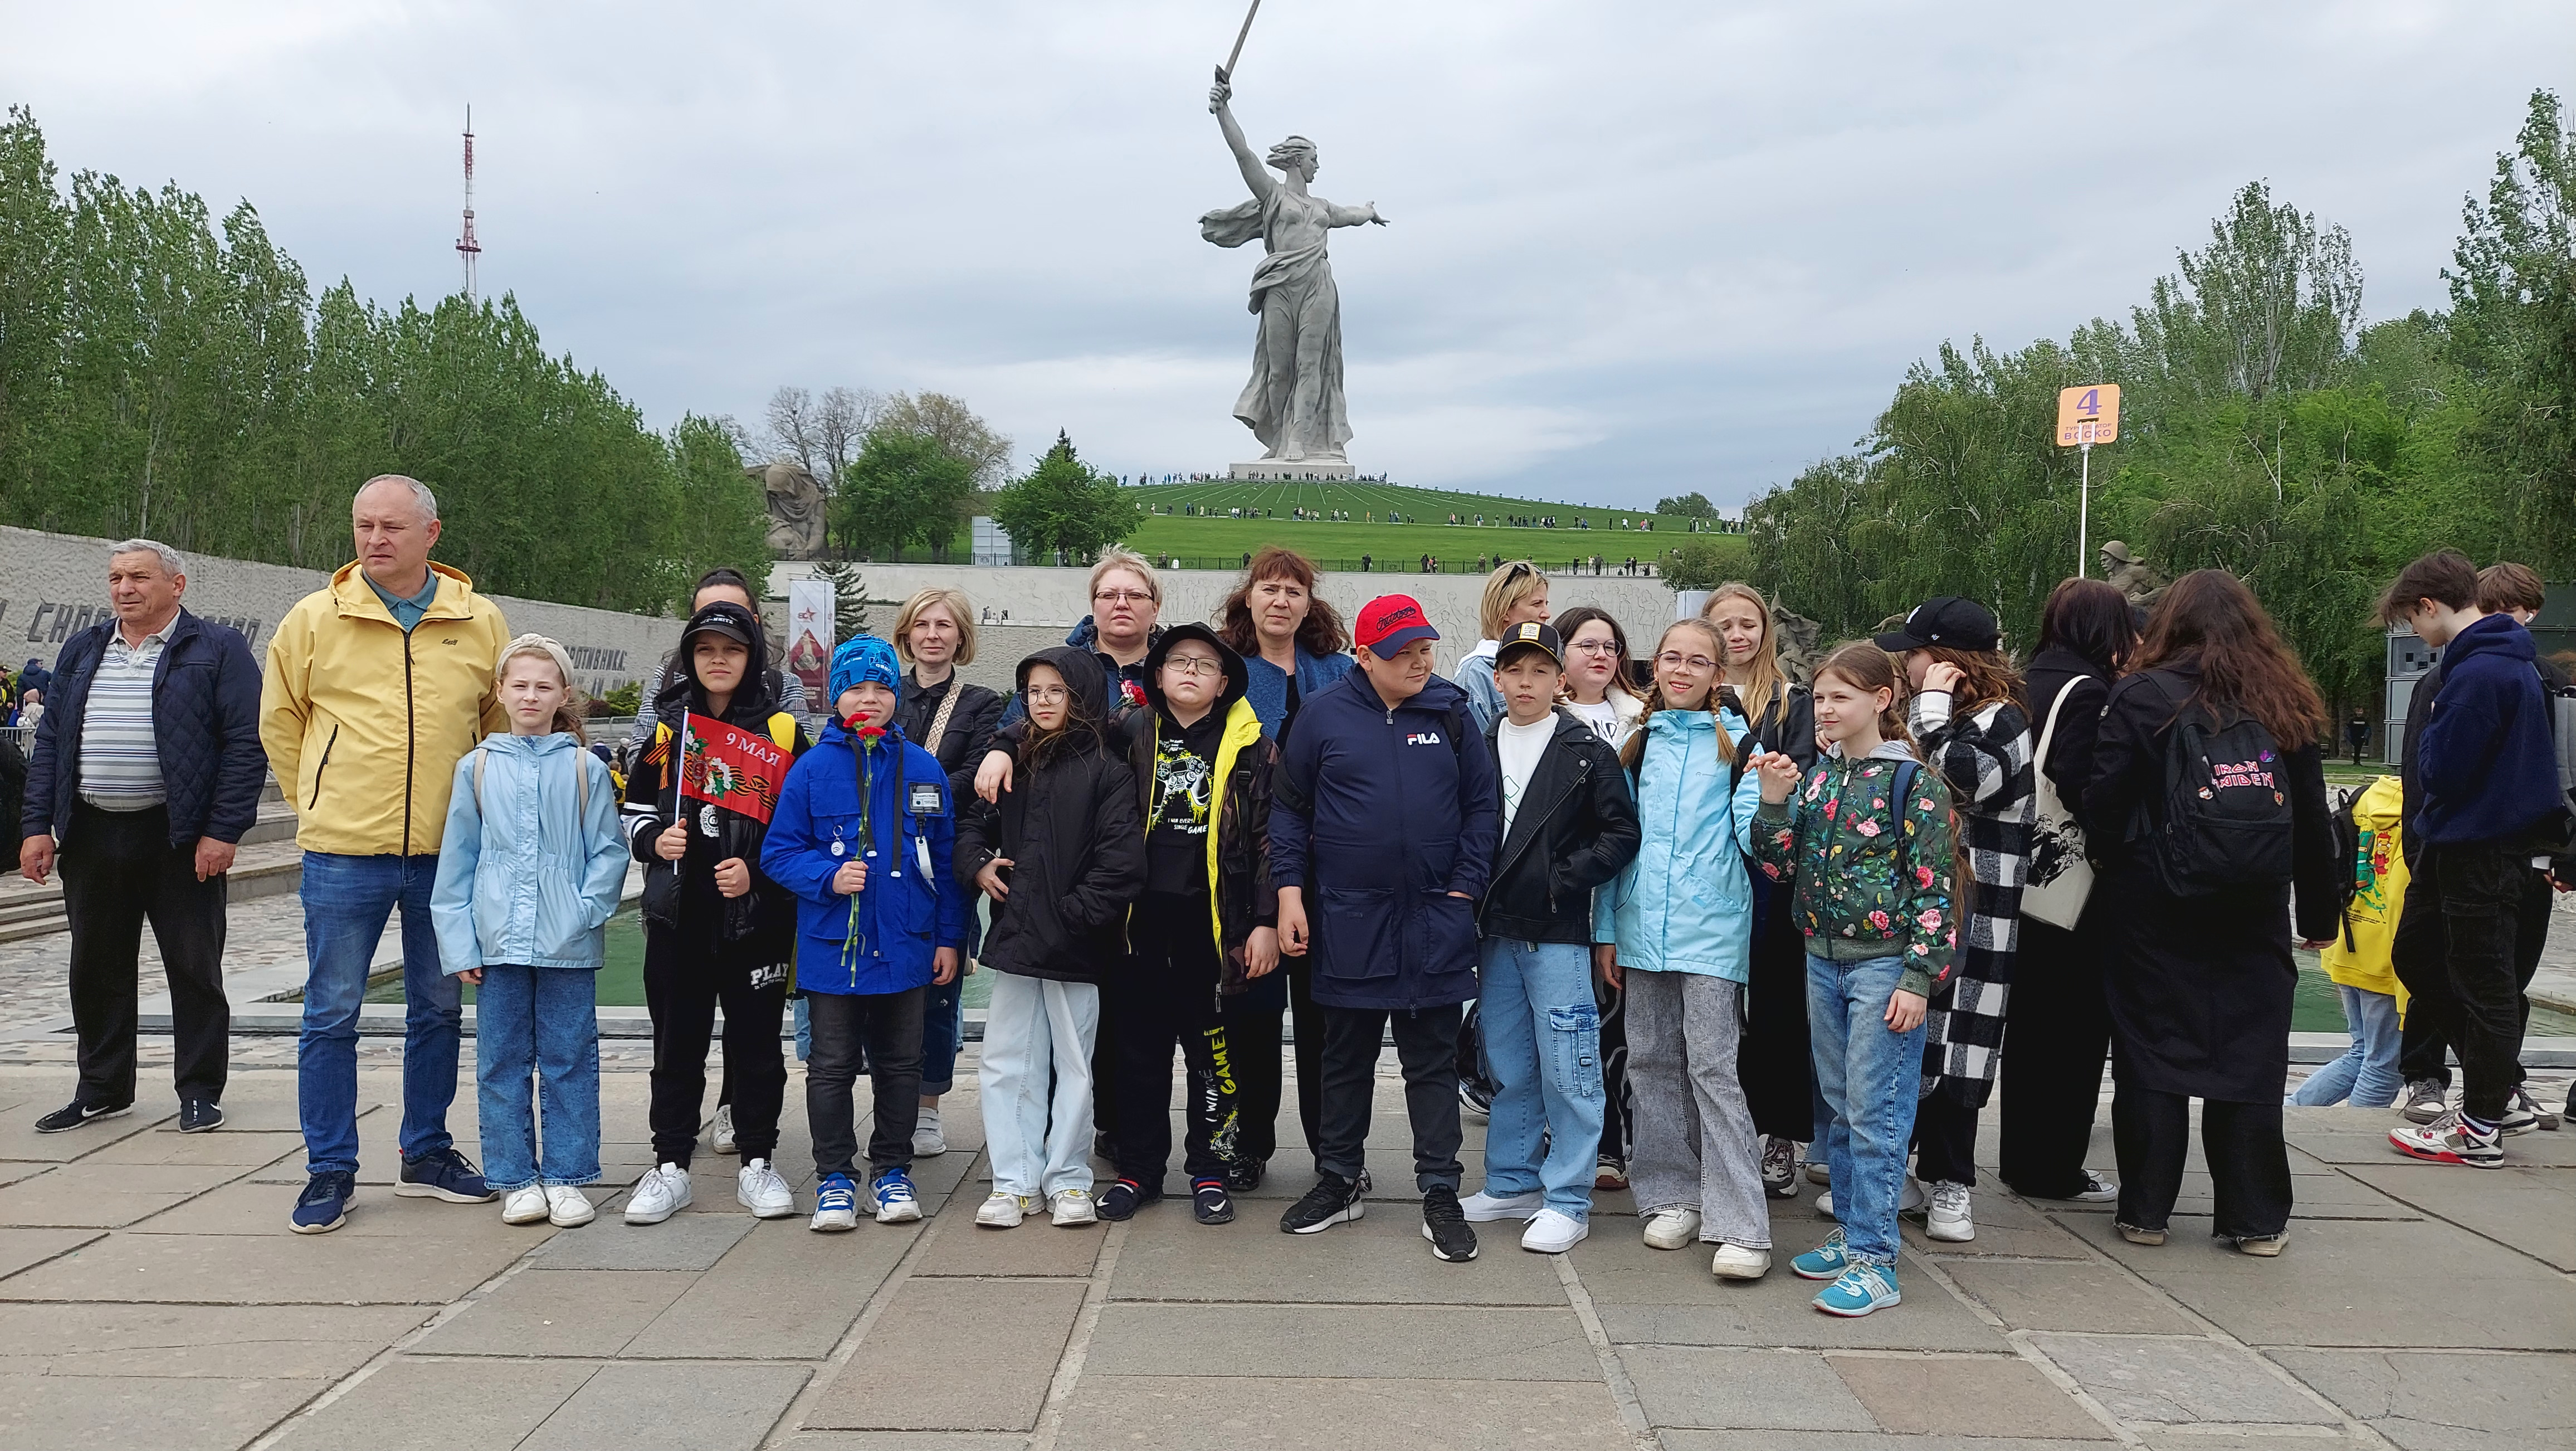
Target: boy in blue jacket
pixel 863 835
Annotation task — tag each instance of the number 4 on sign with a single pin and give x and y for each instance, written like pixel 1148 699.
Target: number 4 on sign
pixel 2088 414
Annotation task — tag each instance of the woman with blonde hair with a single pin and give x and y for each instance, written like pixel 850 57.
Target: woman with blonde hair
pixel 1514 593
pixel 934 633
pixel 1779 1073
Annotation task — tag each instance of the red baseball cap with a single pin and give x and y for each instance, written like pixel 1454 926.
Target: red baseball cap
pixel 1391 622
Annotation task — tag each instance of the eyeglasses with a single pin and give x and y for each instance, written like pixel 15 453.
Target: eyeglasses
pixel 1047 694
pixel 1193 665
pixel 1121 597
pixel 1672 659
pixel 1597 647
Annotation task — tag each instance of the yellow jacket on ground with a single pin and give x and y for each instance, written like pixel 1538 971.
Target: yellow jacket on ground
pixel 364 724
pixel 2359 956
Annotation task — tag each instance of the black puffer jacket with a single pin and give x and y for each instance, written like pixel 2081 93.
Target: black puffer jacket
pixel 1576 828
pixel 1076 843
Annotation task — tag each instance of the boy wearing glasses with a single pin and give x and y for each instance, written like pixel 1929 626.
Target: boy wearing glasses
pixel 1203 935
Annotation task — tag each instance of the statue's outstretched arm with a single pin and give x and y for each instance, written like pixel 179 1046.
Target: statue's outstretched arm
pixel 1255 175
pixel 1342 216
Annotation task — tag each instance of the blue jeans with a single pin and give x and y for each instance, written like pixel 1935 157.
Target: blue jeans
pixel 347 900
pixel 943 1032
pixel 2367 1074
pixel 1543 1047
pixel 540 1021
pixel 1871 1079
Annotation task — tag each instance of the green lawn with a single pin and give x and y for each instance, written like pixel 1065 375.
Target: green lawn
pixel 1220 542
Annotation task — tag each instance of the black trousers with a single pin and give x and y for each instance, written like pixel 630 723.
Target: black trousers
pixel 1945 1141
pixel 1166 995
pixel 884 1031
pixel 689 969
pixel 2055 1039
pixel 1774 1063
pixel 2421 954
pixel 1619 1111
pixel 2249 1168
pixel 119 870
pixel 1252 1046
pixel 1426 1043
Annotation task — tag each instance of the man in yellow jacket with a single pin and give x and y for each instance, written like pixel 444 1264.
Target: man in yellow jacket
pixel 375 688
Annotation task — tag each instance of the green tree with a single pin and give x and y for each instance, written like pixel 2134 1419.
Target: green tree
pixel 904 488
pixel 1693 505
pixel 967 438
pixel 723 515
pixel 849 597
pixel 1064 504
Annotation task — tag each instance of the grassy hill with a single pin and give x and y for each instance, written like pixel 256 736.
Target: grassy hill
pixel 1217 540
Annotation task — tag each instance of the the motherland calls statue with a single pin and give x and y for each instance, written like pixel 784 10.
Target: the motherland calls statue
pixel 2142 582
pixel 796 509
pixel 1294 402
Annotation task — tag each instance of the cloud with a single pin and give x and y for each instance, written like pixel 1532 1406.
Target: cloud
pixel 1636 249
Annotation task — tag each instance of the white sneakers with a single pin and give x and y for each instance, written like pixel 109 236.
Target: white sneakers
pixel 567 1207
pixel 927 1141
pixel 1672 1228
pixel 1552 1232
pixel 1948 1218
pixel 720 1134
pixel 2096 1190
pixel 757 1187
pixel 1481 1206
pixel 661 1193
pixel 1736 1262
pixel 1005 1211
pixel 558 1204
pixel 1906 1203
pixel 1073 1208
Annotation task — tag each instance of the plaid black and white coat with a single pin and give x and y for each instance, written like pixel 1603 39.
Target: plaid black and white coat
pixel 1986 759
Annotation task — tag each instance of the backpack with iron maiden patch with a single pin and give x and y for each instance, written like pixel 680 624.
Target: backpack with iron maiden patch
pixel 2227 812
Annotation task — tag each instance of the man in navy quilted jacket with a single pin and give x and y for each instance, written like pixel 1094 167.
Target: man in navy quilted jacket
pixel 146 773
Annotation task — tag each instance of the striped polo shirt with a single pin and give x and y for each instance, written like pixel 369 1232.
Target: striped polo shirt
pixel 120 767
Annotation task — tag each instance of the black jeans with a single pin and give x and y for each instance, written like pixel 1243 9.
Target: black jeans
pixel 688 969
pixel 1253 1047
pixel 1775 1063
pixel 1945 1141
pixel 118 869
pixel 2482 886
pixel 1619 1113
pixel 2055 1039
pixel 2421 954
pixel 1167 994
pixel 885 1030
pixel 1426 1043
pixel 2249 1168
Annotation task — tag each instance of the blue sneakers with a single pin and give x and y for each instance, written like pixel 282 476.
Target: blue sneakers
pixel 896 1203
pixel 836 1205
pixel 324 1204
pixel 1826 1261
pixel 1861 1289
pixel 442 1174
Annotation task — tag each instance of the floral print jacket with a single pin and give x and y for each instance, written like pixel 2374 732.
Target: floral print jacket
pixel 1873 878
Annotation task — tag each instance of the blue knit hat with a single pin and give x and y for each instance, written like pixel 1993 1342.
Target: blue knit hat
pixel 861 659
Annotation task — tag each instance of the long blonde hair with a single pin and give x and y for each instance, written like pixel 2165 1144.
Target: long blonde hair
pixel 1635 750
pixel 567 715
pixel 1769 685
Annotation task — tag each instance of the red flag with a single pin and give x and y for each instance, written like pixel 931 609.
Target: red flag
pixel 737 770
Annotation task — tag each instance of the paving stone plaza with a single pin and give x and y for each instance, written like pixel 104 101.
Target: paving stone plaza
pixel 150 1295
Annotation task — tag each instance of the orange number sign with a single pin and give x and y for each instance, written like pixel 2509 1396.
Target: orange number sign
pixel 2088 415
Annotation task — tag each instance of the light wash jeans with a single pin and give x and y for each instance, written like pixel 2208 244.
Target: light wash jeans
pixel 1871 1080
pixel 347 900
pixel 537 1024
pixel 1543 1046
pixel 2367 1074
pixel 1034 1028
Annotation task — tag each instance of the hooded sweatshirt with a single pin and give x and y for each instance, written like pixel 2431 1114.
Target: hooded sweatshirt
pixel 2489 768
pixel 1874 872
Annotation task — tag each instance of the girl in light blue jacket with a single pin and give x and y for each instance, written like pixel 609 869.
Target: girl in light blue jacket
pixel 1679 928
pixel 531 868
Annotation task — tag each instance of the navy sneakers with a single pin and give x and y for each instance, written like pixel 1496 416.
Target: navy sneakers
pixel 442 1174
pixel 324 1204
pixel 75 1113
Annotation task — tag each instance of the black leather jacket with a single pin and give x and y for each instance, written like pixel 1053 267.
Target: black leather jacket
pixel 1576 828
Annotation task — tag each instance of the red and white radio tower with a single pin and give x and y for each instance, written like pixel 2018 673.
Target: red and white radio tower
pixel 466 246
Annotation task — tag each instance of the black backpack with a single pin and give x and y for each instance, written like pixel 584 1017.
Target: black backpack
pixel 13 800
pixel 2227 815
pixel 2347 842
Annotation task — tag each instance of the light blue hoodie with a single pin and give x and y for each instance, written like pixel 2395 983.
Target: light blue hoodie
pixel 1686 904
pixel 525 877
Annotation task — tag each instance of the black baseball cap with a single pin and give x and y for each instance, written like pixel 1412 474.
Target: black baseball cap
pixel 722 617
pixel 1532 635
pixel 1960 624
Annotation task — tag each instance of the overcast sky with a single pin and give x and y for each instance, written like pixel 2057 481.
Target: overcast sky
pixel 1637 247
